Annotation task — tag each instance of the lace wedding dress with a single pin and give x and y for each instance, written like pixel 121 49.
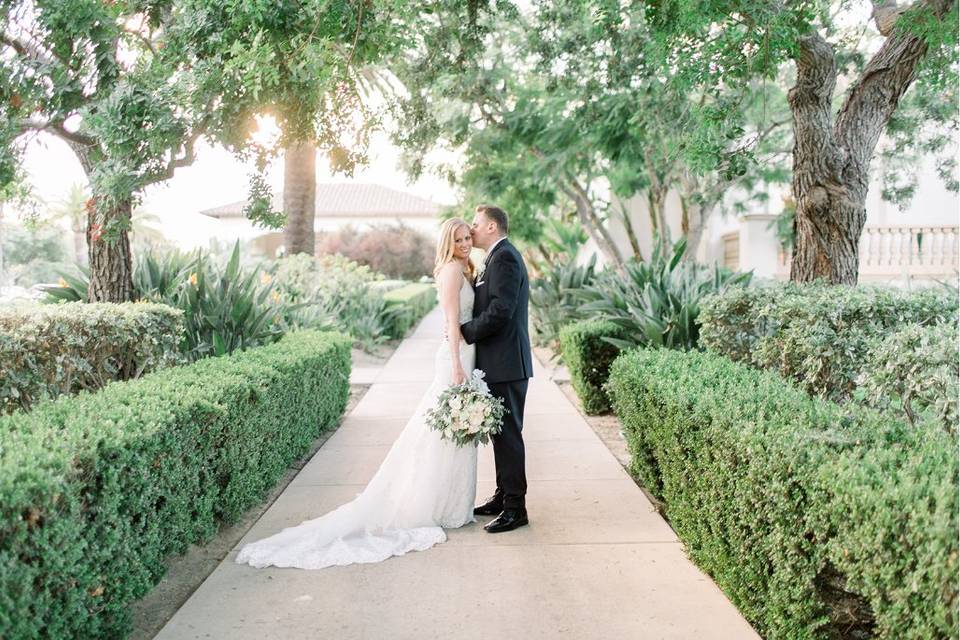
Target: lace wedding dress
pixel 424 484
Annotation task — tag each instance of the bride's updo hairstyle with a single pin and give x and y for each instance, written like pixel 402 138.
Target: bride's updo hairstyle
pixel 446 245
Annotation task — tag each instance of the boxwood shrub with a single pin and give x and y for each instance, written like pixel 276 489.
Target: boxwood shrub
pixel 817 520
pixel 818 335
pixel 408 305
pixel 48 350
pixel 588 357
pixel 97 489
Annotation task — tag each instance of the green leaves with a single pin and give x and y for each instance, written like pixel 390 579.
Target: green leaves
pixel 657 303
pixel 97 490
pixel 51 350
pixel 813 519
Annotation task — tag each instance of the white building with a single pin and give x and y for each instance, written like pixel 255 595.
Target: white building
pixel 920 243
pixel 337 205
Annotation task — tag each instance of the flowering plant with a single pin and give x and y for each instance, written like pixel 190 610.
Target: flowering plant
pixel 466 413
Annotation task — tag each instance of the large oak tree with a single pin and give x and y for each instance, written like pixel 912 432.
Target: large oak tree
pixel 723 44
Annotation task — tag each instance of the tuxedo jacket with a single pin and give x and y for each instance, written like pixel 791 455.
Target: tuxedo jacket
pixel 499 325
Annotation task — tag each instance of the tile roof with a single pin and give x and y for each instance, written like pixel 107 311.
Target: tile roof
pixel 349 199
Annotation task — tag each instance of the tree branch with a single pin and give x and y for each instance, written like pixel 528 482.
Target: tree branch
pixel 874 97
pixel 188 157
pixel 27 50
pixel 143 39
pixel 810 103
pixel 57 129
pixel 885 14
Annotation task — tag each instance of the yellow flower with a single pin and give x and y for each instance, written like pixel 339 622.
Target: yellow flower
pixel 275 296
pixel 193 279
pixel 62 282
pixel 265 278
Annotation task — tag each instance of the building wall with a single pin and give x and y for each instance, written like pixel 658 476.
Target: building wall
pixel 757 247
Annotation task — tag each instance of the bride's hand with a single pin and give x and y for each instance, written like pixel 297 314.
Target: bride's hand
pixel 459 377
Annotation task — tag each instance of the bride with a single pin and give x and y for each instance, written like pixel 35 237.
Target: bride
pixel 425 484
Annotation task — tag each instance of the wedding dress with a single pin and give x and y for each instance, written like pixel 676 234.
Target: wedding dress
pixel 424 485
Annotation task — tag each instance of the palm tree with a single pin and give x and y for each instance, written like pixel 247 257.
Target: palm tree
pixel 299 197
pixel 73 207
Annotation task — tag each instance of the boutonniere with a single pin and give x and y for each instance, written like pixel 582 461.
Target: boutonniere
pixel 480 270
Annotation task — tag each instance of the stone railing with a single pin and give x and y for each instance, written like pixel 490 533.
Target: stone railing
pixel 893 252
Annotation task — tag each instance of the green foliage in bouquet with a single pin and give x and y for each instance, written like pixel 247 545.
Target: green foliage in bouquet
pixel 466 413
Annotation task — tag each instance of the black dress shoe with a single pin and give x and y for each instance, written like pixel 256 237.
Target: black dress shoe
pixel 509 520
pixel 491 507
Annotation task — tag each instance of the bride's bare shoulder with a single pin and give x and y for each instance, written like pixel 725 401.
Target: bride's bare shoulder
pixel 450 273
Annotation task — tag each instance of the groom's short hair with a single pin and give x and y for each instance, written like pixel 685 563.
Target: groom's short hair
pixel 498 215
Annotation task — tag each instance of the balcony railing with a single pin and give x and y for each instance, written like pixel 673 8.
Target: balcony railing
pixel 889 252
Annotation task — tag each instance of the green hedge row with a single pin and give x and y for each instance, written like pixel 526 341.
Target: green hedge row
pixel 588 357
pixel 915 372
pixel 49 350
pixel 818 335
pixel 97 489
pixel 409 304
pixel 818 521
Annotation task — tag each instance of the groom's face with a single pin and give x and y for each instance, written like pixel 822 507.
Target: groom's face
pixel 484 231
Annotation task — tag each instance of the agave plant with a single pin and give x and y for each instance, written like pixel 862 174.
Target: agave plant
pixel 226 309
pixel 157 276
pixel 555 298
pixel 657 302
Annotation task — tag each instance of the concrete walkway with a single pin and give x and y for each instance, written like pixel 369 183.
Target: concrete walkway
pixel 596 560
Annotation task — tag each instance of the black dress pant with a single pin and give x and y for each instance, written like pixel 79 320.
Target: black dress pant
pixel 508 449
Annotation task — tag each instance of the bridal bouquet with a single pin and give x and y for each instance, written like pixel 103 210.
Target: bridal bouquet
pixel 466 413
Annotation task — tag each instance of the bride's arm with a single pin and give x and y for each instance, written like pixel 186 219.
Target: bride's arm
pixel 450 280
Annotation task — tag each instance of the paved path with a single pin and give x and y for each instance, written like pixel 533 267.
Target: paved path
pixel 596 560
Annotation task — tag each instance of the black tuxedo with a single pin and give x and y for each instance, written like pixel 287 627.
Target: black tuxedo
pixel 499 330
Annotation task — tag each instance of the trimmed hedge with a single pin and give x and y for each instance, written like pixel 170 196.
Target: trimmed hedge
pixel 49 350
pixel 818 335
pixel 817 520
pixel 97 489
pixel 409 304
pixel 588 357
pixel 915 371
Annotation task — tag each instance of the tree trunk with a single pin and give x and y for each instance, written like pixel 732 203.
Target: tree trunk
pixel 299 197
pixel 111 269
pixel 108 245
pixel 631 233
pixel 697 203
pixel 696 215
pixel 594 226
pixel 658 219
pixel 831 160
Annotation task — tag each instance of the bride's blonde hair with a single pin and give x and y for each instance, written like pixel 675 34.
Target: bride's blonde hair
pixel 446 244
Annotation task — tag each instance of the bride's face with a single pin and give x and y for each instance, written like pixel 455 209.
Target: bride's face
pixel 462 243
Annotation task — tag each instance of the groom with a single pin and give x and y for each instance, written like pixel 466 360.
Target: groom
pixel 499 329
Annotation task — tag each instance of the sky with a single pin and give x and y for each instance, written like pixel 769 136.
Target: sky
pixel 214 179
